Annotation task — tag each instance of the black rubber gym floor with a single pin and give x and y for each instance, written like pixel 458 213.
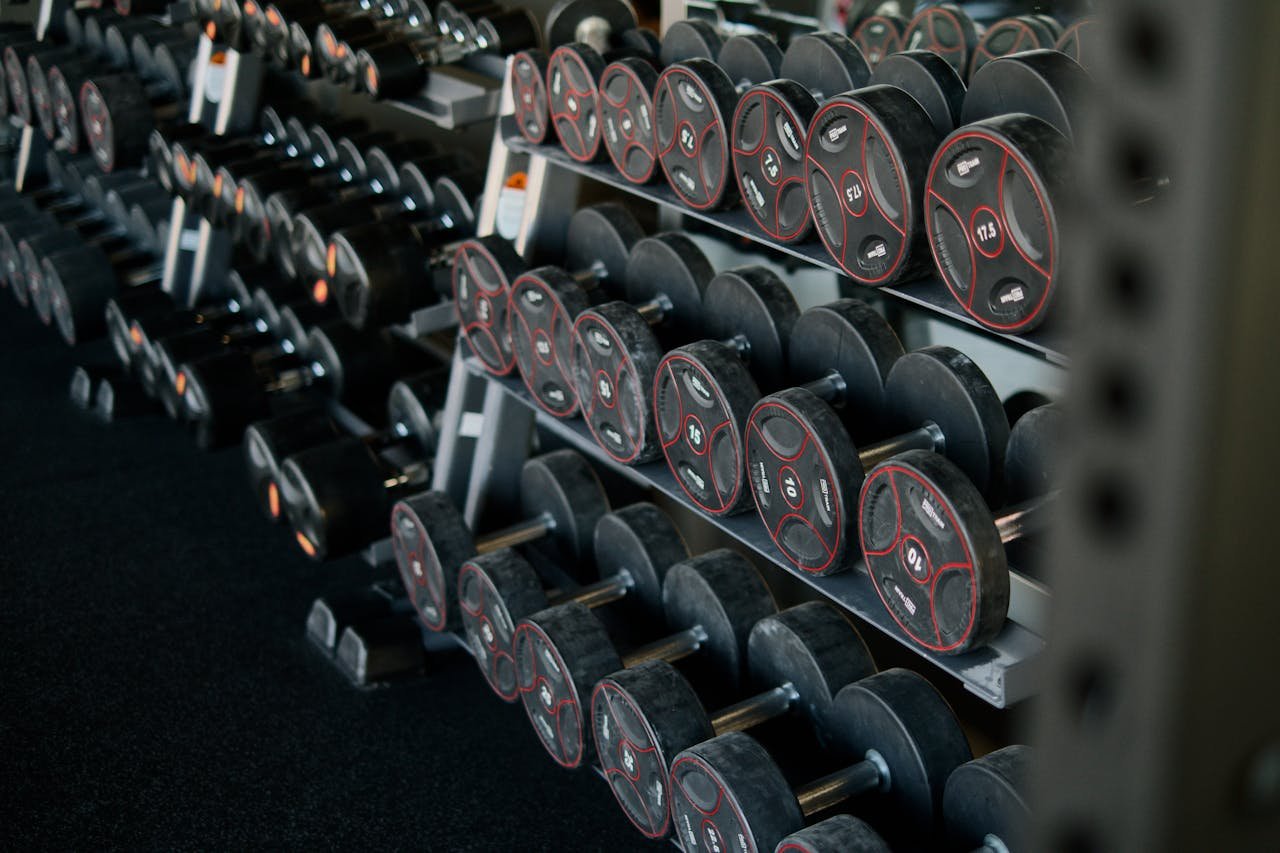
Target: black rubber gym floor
pixel 158 692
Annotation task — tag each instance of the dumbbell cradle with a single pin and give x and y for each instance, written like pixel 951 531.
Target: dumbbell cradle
pixel 561 498
pixel 940 569
pixel 710 602
pixel 633 546
pixel 617 345
pixel 770 124
pixel 896 730
pixel 644 716
pixel 749 314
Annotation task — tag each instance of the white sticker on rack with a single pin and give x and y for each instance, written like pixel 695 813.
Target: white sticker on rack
pixel 510 212
pixel 471 425
pixel 189 239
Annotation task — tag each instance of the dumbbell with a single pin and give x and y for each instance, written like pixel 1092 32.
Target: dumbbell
pixel 79 282
pixel 142 7
pixel 995 188
pixel 224 393
pixel 1015 35
pixel 376 271
pixel 398 68
pixel 42 100
pixel 561 501
pixel 118 113
pixel 16 61
pixel 597 243
pixel 803 464
pixel 1079 41
pixel 948 31
pixel 335 46
pixel 644 716
pixel 626 87
pixel 940 568
pixel 878 35
pixel 703 391
pixel 901 738
pixel 694 104
pixel 593 22
pixel 301 53
pixel 984 803
pixel 633 546
pixel 840 834
pixel 543 302
pixel 710 602
pixel 867 156
pixel 617 345
pixel 573 77
pixel 771 122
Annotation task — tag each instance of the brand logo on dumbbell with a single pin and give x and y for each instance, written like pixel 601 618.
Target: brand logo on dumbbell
pixel 877 251
pixel 686 180
pixel 965 166
pixel 753 191
pixel 612 435
pixel 699 387
pixel 691 94
pixel 555 83
pixel 927 507
pixel 837 131
pixel 695 479
pixel 905 599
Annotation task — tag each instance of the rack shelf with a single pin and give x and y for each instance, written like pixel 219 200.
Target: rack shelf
pixel 1001 674
pixel 930 294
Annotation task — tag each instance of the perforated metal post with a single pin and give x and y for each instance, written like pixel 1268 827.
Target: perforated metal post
pixel 1158 728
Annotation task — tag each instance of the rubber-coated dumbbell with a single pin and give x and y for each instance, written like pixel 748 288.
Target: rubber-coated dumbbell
pixel 118 113
pixel 896 729
pixel 399 67
pixel 593 22
pixel 879 35
pixel 948 31
pixel 268 442
pixel 22 103
pixel 711 602
pixel 694 104
pixel 633 547
pixel 337 496
pixel 772 120
pixel 597 244
pixel 984 804
pixel 1079 41
pixel 867 157
pixel 223 394
pixel 1015 35
pixel 617 345
pixel 573 89
pixel 626 87
pixel 337 42
pixel 704 391
pixel 301 53
pixel 376 273
pixel 996 184
pixel 840 834
pixel 804 465
pixel 644 716
pixel 940 568
pixel 562 501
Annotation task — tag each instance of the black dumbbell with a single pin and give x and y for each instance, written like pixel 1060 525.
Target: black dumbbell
pixel 573 79
pixel 398 68
pixel 593 22
pixel 562 502
pixel 878 35
pixel 896 729
pixel 996 184
pixel 840 834
pixel 543 302
pixel 644 716
pixel 142 7
pixel 224 393
pixel 336 41
pixel 704 391
pixel 866 163
pixel 17 59
pixel 633 547
pixel 626 87
pixel 711 602
pixel 299 51
pixel 984 804
pixel 1079 41
pixel 617 345
pixel 694 103
pixel 801 453
pixel 376 274
pixel 947 30
pixel 771 122
pixel 1015 35
pixel 118 113
pixel 597 242
pixel 940 568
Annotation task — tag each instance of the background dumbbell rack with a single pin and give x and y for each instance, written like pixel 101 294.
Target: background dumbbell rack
pixel 1160 681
